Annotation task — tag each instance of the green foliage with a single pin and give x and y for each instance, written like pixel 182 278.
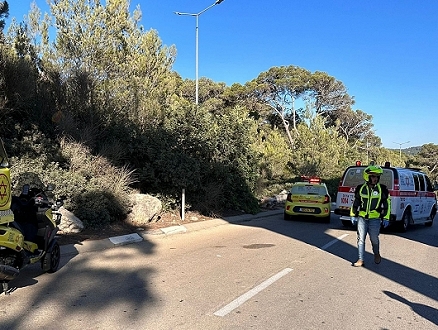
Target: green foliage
pixel 281 87
pixel 427 159
pixel 4 13
pixel 328 94
pixel 274 153
pixel 208 155
pixel 353 125
pixel 318 151
pixel 119 66
pixel 332 186
pixel 100 112
pixel 45 172
pixel 96 191
pixel 98 208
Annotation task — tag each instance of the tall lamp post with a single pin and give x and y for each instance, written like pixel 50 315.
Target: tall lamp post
pixel 400 144
pixel 197 19
pixel 367 149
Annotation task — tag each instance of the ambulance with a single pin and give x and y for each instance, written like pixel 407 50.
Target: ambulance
pixel 413 198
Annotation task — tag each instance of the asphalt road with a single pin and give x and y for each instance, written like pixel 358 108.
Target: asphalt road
pixel 261 274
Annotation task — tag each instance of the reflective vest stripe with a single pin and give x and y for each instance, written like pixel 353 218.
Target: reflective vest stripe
pixel 370 201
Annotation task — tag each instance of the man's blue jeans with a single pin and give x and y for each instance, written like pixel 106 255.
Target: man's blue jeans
pixel 372 227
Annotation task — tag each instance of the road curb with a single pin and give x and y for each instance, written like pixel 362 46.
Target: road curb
pixel 107 243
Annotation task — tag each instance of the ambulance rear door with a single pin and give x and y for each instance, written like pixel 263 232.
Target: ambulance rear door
pixel 350 180
pixel 353 177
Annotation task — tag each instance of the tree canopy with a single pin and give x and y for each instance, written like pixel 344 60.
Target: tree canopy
pixel 100 95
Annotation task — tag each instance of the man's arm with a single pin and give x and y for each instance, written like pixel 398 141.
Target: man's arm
pixel 386 203
pixel 354 209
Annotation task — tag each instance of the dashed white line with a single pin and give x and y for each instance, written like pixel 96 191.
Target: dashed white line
pixel 332 242
pixel 251 293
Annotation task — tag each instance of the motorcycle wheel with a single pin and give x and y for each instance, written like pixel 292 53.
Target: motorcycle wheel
pixel 55 258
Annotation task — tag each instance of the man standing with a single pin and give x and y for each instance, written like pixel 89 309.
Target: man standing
pixel 371 205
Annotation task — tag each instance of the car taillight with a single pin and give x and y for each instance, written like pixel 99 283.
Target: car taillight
pixel 326 199
pixel 396 185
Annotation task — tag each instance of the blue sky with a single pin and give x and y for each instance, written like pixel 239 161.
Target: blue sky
pixel 384 51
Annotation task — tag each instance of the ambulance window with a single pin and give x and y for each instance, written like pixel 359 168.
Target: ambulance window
pixel 416 181
pixel 387 178
pixel 428 184
pixel 422 186
pixel 353 177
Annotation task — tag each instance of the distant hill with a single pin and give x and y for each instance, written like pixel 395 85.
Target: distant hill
pixel 409 151
pixel 412 150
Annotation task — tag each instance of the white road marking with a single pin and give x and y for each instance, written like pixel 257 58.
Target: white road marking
pixel 332 242
pixel 251 293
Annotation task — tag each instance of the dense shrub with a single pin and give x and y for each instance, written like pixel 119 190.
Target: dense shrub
pixel 96 191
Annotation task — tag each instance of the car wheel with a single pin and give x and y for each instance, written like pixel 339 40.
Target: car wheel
pixel 287 216
pixel 431 217
pixel 405 221
pixel 326 219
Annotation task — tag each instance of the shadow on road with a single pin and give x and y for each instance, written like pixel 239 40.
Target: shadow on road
pixel 413 279
pixel 103 287
pixel 425 311
pixel 95 286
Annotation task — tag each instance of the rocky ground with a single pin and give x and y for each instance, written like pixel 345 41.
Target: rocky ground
pixel 123 228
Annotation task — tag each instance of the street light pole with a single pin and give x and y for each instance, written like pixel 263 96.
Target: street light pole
pixel 197 28
pixel 400 144
pixel 367 149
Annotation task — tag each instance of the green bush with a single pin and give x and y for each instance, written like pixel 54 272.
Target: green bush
pixel 97 192
pixel 98 208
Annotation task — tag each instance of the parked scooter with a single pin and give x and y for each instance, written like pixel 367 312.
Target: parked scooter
pixel 28 225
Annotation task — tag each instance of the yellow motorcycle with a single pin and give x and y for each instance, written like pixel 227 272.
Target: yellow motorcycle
pixel 28 226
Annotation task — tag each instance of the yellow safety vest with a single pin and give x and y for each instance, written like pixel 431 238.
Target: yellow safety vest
pixel 370 202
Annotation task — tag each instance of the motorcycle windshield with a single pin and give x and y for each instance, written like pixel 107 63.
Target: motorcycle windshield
pixel 4 162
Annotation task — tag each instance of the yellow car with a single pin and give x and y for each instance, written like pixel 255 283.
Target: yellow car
pixel 308 199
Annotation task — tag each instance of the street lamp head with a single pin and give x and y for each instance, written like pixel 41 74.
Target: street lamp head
pixel 184 14
pixel 401 143
pixel 218 2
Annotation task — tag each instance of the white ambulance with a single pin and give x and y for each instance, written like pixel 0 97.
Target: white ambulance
pixel 413 198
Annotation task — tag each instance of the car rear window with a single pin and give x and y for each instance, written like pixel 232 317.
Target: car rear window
pixel 353 177
pixel 308 190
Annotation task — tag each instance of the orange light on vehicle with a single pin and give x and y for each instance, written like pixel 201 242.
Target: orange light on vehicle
pixel 310 179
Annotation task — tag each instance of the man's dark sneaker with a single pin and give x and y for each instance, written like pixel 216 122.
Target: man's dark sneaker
pixel 377 258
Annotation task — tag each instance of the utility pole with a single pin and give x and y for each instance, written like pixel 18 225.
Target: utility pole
pixel 196 15
pixel 400 144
